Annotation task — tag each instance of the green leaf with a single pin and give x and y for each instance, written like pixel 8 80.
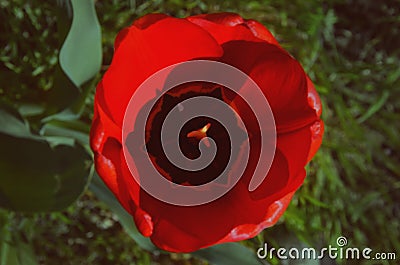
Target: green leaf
pixel 30 109
pixel 62 95
pixel 13 250
pixel 375 107
pixel 14 126
pixel 229 253
pixel 19 253
pixel 104 194
pixel 64 115
pixel 36 177
pixel 81 53
pixel 73 129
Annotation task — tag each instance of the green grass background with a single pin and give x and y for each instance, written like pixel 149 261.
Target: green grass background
pixel 349 48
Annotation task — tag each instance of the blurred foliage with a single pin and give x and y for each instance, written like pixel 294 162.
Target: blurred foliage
pixel 28 50
pixel 350 49
pixel 44 164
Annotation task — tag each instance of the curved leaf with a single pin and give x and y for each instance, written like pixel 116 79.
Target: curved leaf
pixel 73 129
pixel 13 126
pixel 33 175
pixel 81 53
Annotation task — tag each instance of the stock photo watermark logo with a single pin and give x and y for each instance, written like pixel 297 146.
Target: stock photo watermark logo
pixel 218 112
pixel 339 252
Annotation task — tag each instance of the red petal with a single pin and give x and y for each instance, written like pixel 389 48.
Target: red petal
pixel 96 131
pixel 112 168
pixel 231 218
pixel 223 18
pixel 260 31
pixel 185 229
pixel 120 37
pixel 108 170
pixel 143 222
pixel 295 147
pixel 226 27
pixel 313 99
pixel 147 21
pixel 317 131
pixel 152 43
pixel 279 76
pixel 102 126
pixel 246 231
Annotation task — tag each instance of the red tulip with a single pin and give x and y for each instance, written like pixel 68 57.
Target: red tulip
pixel 156 41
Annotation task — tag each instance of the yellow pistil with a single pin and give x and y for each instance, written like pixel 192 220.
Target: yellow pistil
pixel 200 134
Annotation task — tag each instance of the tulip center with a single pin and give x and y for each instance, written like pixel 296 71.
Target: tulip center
pixel 193 134
pixel 200 134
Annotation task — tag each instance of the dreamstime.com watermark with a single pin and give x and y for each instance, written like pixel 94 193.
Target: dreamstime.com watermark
pixel 340 251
